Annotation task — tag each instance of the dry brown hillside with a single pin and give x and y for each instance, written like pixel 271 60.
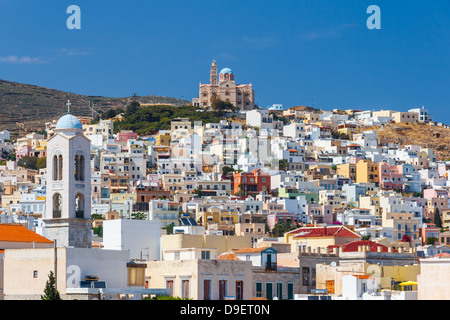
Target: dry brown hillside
pixel 427 136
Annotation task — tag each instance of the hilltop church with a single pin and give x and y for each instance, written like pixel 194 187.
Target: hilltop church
pixel 224 86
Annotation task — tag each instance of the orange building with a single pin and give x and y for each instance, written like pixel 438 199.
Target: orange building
pixel 252 183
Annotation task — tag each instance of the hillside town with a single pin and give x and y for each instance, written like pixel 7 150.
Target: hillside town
pixel 275 203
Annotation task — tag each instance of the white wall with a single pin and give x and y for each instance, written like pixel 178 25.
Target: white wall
pixel 107 265
pixel 141 237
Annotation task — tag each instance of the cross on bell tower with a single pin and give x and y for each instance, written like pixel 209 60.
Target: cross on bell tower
pixel 68 104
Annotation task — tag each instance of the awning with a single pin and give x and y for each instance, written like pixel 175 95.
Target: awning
pixel 408 283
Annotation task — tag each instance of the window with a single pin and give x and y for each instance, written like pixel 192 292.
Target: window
pixel 205 254
pixel 79 206
pixel 305 276
pixel 185 288
pixel 269 291
pixel 258 289
pixel 239 290
pixel 57 205
pixel 290 291
pixel 207 289
pixel 35 274
pixel 222 289
pixel 169 285
pixel 279 291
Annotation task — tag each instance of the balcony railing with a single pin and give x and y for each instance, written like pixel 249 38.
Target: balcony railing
pixel 271 266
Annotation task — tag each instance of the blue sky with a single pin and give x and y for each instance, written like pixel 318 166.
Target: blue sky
pixel 294 52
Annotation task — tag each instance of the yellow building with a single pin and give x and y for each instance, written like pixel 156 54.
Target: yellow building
pixel 372 203
pixel 347 170
pixel 122 197
pixel 217 215
pixel 367 171
pixel 349 130
pixel 163 138
pixel 320 237
pixel 403 225
pixel 173 182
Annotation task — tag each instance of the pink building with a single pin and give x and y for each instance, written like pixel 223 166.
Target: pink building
pixel 23 152
pixel 429 230
pixel 433 193
pixel 390 176
pixel 124 136
pixel 320 213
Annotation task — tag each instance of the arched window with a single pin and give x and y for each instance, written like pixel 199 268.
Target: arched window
pixel 60 167
pixel 79 206
pixel 79 168
pixel 57 205
pixel 227 93
pixel 82 166
pixel 55 168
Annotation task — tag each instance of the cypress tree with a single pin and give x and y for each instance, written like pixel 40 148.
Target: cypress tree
pixel 50 292
pixel 437 218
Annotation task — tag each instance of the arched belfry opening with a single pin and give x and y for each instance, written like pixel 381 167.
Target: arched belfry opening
pixel 57 205
pixel 80 164
pixel 79 206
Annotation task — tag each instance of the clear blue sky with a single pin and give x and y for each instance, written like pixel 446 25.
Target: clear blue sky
pixel 294 52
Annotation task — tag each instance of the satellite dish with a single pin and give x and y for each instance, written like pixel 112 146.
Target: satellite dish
pixel 333 264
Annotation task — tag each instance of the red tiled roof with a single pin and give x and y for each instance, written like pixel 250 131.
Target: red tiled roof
pixel 362 276
pixel 316 232
pixel 17 233
pixel 249 250
pixel 228 256
pixel 353 246
pixel 442 255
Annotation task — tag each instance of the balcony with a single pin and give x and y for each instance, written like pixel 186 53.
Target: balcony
pixel 271 266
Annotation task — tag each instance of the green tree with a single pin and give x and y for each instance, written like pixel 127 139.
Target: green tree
pixel 138 216
pixel 283 164
pixel 41 163
pixel 132 107
pixel 437 218
pixel 97 216
pixel 226 170
pixel 281 227
pixel 50 292
pixel 98 231
pixel 431 240
pixel 169 228
pixel 198 192
pixel 28 162
pixel 111 113
pixel 221 107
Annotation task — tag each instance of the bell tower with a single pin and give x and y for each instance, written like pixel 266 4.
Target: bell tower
pixel 213 74
pixel 67 216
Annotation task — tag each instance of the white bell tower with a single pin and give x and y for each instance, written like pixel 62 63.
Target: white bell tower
pixel 68 192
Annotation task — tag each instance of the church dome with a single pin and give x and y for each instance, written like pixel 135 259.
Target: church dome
pixel 226 70
pixel 69 122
